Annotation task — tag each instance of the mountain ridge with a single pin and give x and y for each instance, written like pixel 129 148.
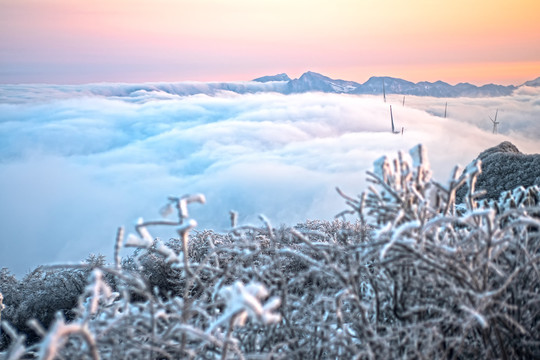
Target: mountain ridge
pixel 312 81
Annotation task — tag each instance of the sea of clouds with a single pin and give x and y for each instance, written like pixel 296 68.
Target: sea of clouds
pixel 76 162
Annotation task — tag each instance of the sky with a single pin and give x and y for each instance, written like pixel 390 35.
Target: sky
pixel 77 162
pixel 80 41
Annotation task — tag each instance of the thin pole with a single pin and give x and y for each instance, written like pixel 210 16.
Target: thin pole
pixel 392 119
pixel 445 108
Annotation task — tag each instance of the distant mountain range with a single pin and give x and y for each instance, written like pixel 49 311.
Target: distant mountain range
pixel 281 83
pixel 311 81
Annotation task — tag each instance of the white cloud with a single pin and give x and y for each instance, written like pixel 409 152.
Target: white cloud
pixel 75 162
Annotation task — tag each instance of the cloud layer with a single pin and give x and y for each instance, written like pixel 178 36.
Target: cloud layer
pixel 76 164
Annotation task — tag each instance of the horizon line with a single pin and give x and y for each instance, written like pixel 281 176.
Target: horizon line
pixel 82 83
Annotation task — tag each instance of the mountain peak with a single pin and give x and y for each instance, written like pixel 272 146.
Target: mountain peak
pixel 312 81
pixel 310 76
pixel 535 82
pixel 313 74
pixel 278 77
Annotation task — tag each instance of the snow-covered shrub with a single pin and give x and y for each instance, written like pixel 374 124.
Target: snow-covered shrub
pixel 40 295
pixel 505 168
pixel 8 298
pixel 2 306
pixel 416 276
pixel 459 284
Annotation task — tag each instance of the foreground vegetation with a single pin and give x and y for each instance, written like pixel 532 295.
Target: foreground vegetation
pixel 415 276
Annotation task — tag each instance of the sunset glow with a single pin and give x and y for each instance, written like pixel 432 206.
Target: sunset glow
pixel 74 41
pixel 109 106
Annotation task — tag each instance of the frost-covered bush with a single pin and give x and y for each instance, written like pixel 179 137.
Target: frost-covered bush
pixel 505 168
pixel 416 276
pixel 1 305
pixel 458 283
pixel 40 295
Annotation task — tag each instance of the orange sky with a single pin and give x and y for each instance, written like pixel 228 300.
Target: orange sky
pixel 74 41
